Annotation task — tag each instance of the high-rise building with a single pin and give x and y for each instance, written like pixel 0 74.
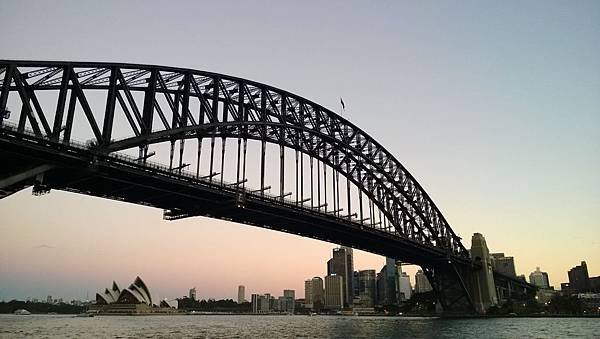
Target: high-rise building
pixel 334 291
pixel 422 283
pixel 289 301
pixel 49 299
pixel 503 264
pixel 317 293
pixel 192 294
pixel 254 300
pixel 342 263
pixel 539 278
pixel 579 278
pixel 308 293
pixel 261 303
pixel 367 287
pixel 404 287
pixel 241 294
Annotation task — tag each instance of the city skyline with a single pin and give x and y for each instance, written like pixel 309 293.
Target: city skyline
pixel 503 127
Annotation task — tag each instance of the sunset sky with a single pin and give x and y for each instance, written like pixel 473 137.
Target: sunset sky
pixel 494 107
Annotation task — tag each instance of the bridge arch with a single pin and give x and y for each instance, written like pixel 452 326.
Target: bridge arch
pixel 227 107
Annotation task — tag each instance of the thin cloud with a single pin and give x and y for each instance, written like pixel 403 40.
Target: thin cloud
pixel 44 246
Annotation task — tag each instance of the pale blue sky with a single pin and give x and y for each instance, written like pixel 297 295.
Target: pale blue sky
pixel 493 106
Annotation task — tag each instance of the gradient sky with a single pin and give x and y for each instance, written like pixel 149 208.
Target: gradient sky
pixel 493 106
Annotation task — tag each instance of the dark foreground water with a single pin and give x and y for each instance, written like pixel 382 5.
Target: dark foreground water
pixel 216 326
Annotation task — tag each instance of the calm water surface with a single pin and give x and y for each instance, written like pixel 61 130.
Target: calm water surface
pixel 215 326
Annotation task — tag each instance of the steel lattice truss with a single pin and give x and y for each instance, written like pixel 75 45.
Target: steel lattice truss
pixel 228 107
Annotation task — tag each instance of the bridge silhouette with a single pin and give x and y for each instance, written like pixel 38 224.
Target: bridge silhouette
pixel 297 167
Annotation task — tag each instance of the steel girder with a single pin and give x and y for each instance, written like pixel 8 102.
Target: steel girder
pixel 228 107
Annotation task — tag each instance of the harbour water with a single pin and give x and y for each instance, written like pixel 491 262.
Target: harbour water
pixel 248 326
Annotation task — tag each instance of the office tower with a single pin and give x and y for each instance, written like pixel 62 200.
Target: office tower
pixel 421 283
pixel 404 287
pixel 367 287
pixel 539 278
pixel 308 293
pixel 317 293
pixel 579 278
pixel 289 301
pixel 49 299
pixel 503 264
pixel 255 306
pixel 261 303
pixel 192 294
pixel 241 294
pixel 342 263
pixel 334 291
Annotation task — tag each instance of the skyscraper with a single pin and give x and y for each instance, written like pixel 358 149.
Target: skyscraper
pixel 241 294
pixel 342 264
pixel 404 287
pixel 317 293
pixel 192 294
pixel 387 283
pixel 367 287
pixel 421 283
pixel 579 278
pixel 539 278
pixel 308 293
pixel 334 291
pixel 289 300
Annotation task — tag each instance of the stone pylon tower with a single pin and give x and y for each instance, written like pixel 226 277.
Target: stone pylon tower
pixel 484 288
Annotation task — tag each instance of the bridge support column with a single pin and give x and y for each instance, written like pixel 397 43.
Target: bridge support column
pixel 451 284
pixel 483 287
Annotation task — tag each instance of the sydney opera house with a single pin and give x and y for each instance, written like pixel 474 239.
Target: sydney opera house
pixel 135 299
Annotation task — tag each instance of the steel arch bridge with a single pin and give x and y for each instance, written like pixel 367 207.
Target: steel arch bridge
pixel 345 187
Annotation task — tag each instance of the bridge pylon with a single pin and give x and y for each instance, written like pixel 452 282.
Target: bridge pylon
pixel 483 286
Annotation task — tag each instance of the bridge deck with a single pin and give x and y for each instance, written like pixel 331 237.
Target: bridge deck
pixel 77 168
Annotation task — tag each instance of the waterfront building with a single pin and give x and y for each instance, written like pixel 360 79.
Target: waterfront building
pixel 135 299
pixel 387 283
pixel 192 294
pixel 317 294
pixel 241 294
pixel 254 301
pixel 422 284
pixel 287 302
pixel 261 303
pixel 539 278
pixel 367 288
pixel 308 293
pixel 342 264
pixel 544 295
pixel 579 278
pixel 404 287
pixel 49 299
pixel 503 264
pixel 334 292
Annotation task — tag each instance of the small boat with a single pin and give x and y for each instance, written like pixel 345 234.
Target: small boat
pixel 22 312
